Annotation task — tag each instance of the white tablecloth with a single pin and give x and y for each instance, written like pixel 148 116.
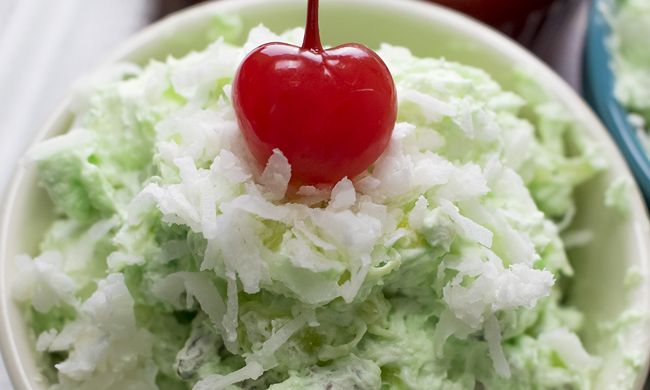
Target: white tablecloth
pixel 44 46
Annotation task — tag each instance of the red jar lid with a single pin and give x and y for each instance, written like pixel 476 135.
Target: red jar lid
pixel 513 17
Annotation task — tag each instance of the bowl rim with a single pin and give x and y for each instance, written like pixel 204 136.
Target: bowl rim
pixel 150 34
pixel 599 89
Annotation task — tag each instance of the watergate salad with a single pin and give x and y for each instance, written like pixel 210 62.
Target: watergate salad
pixel 176 261
pixel 630 19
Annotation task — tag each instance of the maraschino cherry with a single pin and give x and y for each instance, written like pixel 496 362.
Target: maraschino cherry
pixel 331 112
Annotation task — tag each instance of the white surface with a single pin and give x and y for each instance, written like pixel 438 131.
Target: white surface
pixel 44 46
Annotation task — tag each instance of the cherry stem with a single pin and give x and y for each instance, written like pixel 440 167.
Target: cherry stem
pixel 312 34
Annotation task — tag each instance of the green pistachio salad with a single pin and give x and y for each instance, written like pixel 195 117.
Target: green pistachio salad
pixel 630 21
pixel 177 262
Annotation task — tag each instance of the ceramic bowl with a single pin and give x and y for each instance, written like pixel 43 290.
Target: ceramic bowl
pixel 599 289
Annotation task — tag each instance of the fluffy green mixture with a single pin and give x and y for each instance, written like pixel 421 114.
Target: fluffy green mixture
pixel 175 262
pixel 630 21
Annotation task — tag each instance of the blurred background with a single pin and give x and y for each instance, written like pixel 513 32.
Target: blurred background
pixel 45 45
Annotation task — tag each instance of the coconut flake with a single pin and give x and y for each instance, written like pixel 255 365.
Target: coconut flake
pixel 493 338
pixel 276 176
pixel 343 196
pixel 43 282
pixel 252 370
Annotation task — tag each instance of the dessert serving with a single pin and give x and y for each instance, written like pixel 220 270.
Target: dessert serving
pixel 284 215
pixel 630 20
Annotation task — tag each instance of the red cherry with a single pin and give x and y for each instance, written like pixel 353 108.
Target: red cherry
pixel 331 112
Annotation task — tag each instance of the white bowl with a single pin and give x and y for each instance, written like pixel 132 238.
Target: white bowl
pixel 599 288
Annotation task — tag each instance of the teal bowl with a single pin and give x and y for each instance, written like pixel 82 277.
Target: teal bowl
pixel 598 86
